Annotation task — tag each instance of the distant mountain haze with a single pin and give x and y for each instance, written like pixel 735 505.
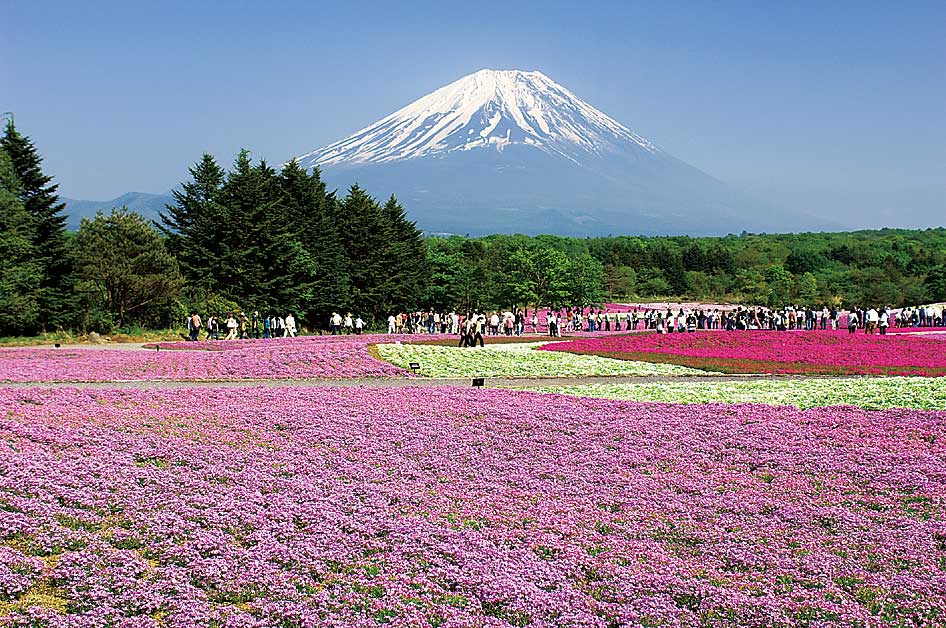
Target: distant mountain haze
pixel 148 205
pixel 502 151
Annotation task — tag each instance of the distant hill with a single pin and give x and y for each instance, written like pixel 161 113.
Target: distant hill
pixel 148 205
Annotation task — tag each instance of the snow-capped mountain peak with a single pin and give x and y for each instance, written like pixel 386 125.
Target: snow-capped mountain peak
pixel 489 109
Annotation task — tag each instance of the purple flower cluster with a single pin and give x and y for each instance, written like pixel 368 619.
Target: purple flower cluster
pixel 283 358
pixel 454 507
pixel 778 352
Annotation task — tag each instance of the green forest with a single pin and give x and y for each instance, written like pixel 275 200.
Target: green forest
pixel 252 237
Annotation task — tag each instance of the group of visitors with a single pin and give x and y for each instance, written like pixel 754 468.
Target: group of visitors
pixel 474 326
pixel 239 326
pixel 346 324
pixel 429 322
pixel 575 320
pixel 872 320
pixel 922 316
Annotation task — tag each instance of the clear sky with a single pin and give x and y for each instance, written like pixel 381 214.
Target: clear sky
pixel 836 108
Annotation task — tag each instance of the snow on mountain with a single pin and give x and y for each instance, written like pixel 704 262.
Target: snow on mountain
pixel 491 109
pixel 512 151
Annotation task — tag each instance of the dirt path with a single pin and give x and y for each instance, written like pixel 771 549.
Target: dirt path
pixel 417 382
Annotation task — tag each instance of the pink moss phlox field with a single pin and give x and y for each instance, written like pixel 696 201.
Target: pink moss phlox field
pixel 282 358
pixel 455 507
pixel 787 352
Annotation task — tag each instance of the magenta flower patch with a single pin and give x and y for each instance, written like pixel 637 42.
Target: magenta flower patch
pixel 815 352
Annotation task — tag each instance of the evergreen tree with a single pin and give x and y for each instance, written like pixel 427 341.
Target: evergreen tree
pixel 363 234
pixel 20 271
pixel 249 269
pixel 310 212
pixel 57 301
pixel 193 223
pixel 407 269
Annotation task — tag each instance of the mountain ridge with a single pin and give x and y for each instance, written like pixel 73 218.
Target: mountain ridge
pixel 147 204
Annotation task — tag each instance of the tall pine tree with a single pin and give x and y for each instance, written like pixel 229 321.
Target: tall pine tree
pixel 408 272
pixel 20 271
pixel 57 301
pixel 310 213
pixel 363 233
pixel 192 224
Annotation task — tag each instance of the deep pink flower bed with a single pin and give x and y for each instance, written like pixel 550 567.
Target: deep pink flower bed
pixel 454 507
pixel 814 352
pixel 283 358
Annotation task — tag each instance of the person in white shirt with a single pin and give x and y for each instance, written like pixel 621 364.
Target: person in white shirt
pixel 290 323
pixel 494 324
pixel 349 324
pixel 231 328
pixel 392 324
pixel 872 318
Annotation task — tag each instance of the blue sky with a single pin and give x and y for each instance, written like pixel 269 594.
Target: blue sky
pixel 834 108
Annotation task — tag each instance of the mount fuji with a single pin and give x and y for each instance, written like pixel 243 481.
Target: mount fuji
pixel 513 151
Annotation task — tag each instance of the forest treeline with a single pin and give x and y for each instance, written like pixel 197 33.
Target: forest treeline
pixel 253 237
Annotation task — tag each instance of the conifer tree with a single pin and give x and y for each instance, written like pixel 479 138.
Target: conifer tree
pixel 407 271
pixel 20 271
pixel 244 270
pixel 364 236
pixel 310 212
pixel 57 302
pixel 192 224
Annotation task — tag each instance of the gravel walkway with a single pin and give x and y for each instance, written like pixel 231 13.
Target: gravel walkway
pixel 417 382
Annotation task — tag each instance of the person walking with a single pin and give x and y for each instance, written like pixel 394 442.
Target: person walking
pixel 231 327
pixel 359 326
pixel 852 322
pixel 290 325
pixel 478 328
pixel 466 332
pixel 872 319
pixel 195 324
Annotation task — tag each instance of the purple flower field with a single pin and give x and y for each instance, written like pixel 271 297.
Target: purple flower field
pixel 455 507
pixel 282 358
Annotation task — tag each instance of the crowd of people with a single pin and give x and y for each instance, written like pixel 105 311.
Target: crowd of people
pixel 239 326
pixel 472 327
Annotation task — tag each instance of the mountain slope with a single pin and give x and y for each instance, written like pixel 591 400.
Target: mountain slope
pixel 488 109
pixel 515 151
